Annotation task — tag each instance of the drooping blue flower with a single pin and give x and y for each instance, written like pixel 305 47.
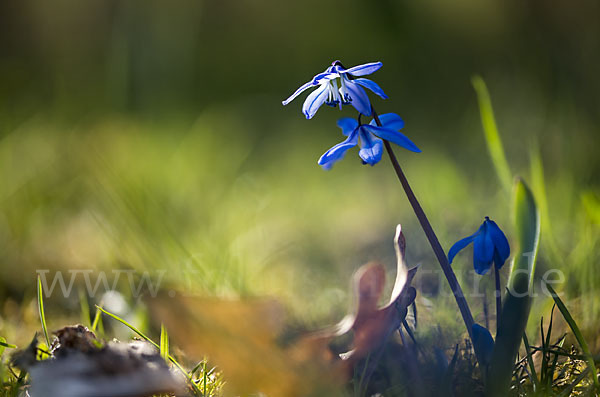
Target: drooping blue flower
pixel 350 89
pixel 369 137
pixel 490 246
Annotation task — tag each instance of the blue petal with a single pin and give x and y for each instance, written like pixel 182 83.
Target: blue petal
pixel 483 341
pixel 360 100
pixel 498 259
pixel 460 244
pixel 481 267
pixel 314 101
pixel 347 124
pixel 338 151
pixel 483 252
pixel 390 121
pixel 393 136
pixel 362 70
pixel 371 148
pixel 326 75
pixel 299 91
pixel 500 243
pixel 372 86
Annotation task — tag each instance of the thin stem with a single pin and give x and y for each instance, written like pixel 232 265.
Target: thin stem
pixel 486 313
pixel 498 298
pixel 431 236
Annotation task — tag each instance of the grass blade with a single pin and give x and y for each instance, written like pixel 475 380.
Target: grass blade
pixel 97 323
pixel 517 303
pixel 131 327
pixel 204 379
pixel 446 382
pixel 575 329
pixel 164 342
pixel 40 297
pixel 557 354
pixel 197 367
pixel 147 339
pixel 492 137
pixel 546 353
pixel 534 377
pixel 4 345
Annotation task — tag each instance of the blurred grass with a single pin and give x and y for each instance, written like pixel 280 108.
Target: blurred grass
pixel 228 216
pixel 492 137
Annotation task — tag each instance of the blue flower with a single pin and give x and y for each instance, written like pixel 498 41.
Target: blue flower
pixel 350 89
pixel 368 136
pixel 491 246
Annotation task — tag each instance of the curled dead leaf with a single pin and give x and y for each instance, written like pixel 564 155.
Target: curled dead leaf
pixel 241 337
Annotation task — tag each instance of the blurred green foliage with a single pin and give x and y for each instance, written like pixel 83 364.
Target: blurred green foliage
pixel 150 135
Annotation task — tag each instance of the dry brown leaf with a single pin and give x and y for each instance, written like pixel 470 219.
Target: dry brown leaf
pixel 241 337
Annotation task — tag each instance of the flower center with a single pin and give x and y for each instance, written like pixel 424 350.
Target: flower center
pixel 333 98
pixel 346 98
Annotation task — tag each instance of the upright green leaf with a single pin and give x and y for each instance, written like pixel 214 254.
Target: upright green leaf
pixel 538 185
pixel 41 311
pixel 515 309
pixel 492 137
pixel 97 325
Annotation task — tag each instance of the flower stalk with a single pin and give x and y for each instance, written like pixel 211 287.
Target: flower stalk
pixel 431 237
pixel 498 296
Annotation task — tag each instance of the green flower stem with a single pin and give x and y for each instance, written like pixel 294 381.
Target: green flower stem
pixel 433 240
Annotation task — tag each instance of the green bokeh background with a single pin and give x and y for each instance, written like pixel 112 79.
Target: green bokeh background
pixel 150 135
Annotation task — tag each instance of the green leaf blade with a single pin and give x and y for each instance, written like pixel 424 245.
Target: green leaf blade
pixel 534 377
pixel 492 137
pixel 40 296
pixel 164 343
